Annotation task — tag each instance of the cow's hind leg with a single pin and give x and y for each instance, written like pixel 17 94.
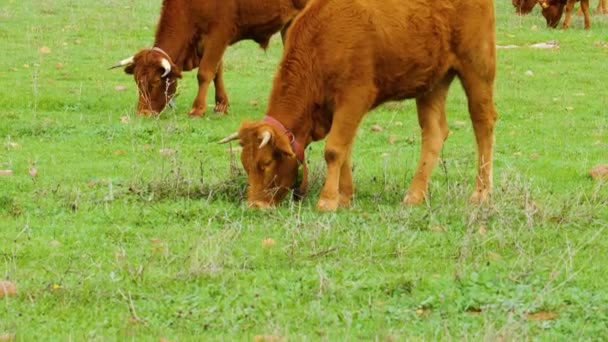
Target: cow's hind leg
pixel 479 89
pixel 338 187
pixel 214 46
pixel 221 98
pixel 433 123
pixel 585 8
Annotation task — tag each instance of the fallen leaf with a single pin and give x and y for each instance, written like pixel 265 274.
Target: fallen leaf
pixel 45 50
pixel 120 152
pixel 534 156
pixel 438 229
pixel 392 139
pixel 482 230
pixel 460 123
pixel 254 103
pixel 494 256
pixel 599 172
pixel 6 337
pixel 377 128
pixel 124 119
pixel 569 108
pixel 542 316
pixel 7 289
pixel 120 88
pixel 167 151
pixel 59 66
pixel 268 243
pixel 6 172
pixel 13 145
pixel 33 172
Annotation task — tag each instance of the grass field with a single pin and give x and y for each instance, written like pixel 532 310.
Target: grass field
pixel 136 228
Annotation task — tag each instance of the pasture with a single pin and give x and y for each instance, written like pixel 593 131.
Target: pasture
pixel 114 226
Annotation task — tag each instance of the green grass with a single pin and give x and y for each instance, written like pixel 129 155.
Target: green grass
pixel 114 240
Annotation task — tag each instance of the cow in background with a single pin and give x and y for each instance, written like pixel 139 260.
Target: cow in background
pixel 553 9
pixel 196 33
pixel 343 58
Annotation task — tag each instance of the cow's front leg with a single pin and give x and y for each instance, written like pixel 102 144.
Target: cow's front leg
pixel 338 188
pixel 569 7
pixel 221 98
pixel 213 47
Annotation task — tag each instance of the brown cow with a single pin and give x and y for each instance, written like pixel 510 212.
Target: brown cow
pixel 195 33
pixel 553 9
pixel 343 58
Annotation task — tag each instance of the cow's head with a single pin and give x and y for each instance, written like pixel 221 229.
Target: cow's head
pixel 523 7
pixel 156 77
pixel 552 11
pixel 270 163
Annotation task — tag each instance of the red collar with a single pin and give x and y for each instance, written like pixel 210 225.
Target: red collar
pixel 295 146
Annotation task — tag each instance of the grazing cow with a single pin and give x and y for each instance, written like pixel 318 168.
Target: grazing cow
pixel 343 58
pixel 195 33
pixel 553 9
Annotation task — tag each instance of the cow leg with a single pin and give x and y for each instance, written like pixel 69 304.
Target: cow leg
pixel 338 187
pixel 585 8
pixel 569 7
pixel 221 98
pixel 434 126
pixel 213 47
pixel 479 91
pixel 601 7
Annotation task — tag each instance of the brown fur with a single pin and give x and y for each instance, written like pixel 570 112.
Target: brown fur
pixel 523 7
pixel 195 33
pixel 342 58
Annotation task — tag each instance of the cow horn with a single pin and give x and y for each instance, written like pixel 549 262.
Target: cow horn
pixel 166 65
pixel 265 138
pixel 126 61
pixel 229 138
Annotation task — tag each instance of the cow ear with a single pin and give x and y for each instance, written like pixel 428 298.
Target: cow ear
pixel 282 144
pixel 129 69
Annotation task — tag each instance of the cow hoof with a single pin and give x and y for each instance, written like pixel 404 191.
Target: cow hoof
pixel 195 112
pixel 327 205
pixel 413 199
pixel 479 197
pixel 345 201
pixel 221 107
pixel 259 205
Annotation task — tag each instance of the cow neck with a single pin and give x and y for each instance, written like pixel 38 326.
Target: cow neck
pixel 173 33
pixel 297 146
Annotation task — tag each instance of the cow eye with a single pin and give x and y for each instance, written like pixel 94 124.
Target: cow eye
pixel 265 164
